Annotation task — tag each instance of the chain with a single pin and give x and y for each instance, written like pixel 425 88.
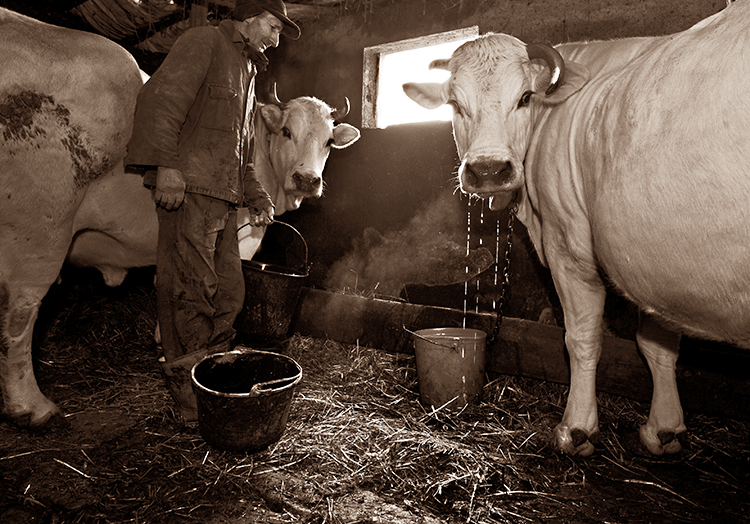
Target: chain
pixel 505 284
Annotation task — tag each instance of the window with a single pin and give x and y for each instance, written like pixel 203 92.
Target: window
pixel 388 66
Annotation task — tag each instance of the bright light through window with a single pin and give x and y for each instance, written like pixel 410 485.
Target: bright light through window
pixel 393 106
pixel 388 66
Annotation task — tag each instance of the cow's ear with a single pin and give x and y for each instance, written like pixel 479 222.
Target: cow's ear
pixel 441 63
pixel 344 135
pixel 574 79
pixel 428 95
pixel 273 116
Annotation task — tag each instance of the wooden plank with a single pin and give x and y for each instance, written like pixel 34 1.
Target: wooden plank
pixel 535 350
pixel 712 379
pixel 373 322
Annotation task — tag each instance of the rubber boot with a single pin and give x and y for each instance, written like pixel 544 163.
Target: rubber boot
pixel 180 384
pixel 177 374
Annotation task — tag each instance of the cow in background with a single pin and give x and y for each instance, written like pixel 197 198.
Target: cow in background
pixel 66 110
pixel 629 158
pixel 292 143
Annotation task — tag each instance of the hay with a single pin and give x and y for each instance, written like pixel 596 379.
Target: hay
pixel 359 446
pixel 357 421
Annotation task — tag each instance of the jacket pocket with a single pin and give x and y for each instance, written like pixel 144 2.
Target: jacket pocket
pixel 221 108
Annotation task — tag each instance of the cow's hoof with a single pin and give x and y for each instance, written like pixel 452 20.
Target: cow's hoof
pixel 573 441
pixel 663 442
pixel 49 419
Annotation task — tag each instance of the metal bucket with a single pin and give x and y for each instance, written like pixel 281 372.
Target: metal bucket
pixel 244 397
pixel 450 365
pixel 272 291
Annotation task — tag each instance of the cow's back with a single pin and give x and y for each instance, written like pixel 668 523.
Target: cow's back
pixel 66 105
pixel 667 184
pixel 66 90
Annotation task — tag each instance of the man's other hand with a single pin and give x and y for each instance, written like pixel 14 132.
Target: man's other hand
pixel 169 192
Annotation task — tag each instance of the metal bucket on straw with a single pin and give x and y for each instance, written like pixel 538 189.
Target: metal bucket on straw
pixel 450 365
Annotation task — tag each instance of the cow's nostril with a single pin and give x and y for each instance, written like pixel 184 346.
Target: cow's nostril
pixel 309 183
pixel 487 171
pixel 504 170
pixel 470 175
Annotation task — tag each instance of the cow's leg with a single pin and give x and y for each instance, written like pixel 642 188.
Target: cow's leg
pixel 31 264
pixel 582 297
pixel 665 421
pixel 24 403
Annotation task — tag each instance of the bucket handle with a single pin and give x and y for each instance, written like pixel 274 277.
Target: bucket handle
pixel 262 387
pixel 454 346
pixel 306 268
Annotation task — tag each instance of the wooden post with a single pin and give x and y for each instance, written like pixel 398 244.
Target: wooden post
pixel 198 14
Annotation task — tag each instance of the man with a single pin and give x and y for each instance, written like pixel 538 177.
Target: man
pixel 192 137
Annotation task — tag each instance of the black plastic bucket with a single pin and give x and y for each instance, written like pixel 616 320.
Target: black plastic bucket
pixel 271 294
pixel 244 397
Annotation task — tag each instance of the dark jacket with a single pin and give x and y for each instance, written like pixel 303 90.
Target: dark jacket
pixel 195 114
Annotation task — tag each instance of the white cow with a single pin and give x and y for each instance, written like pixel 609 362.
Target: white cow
pixel 627 158
pixel 66 110
pixel 292 143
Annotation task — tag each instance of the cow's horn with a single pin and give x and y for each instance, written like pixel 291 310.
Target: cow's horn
pixel 441 63
pixel 271 97
pixel 554 61
pixel 275 96
pixel 338 114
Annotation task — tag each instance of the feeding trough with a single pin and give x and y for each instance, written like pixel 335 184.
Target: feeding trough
pixel 244 397
pixel 450 365
pixel 272 287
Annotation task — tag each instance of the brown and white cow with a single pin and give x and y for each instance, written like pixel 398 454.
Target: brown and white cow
pixel 630 158
pixel 66 111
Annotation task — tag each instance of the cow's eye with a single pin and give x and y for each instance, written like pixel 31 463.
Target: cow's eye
pixel 285 131
pixel 525 99
pixel 330 142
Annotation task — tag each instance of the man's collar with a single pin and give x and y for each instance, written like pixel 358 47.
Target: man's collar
pixel 229 28
pixel 259 60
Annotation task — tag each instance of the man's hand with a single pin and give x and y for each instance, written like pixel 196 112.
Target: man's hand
pixel 169 192
pixel 258 203
pixel 261 217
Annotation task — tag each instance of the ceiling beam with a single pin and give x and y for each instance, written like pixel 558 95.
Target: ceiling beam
pixel 143 33
pixel 324 2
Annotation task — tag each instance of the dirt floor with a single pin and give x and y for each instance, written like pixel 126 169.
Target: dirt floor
pixel 358 448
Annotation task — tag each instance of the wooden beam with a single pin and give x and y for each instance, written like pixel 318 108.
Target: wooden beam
pixel 145 32
pixel 198 15
pixel 300 12
pixel 712 379
pixel 328 3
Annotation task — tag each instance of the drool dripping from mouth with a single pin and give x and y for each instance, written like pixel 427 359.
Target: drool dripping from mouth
pixel 501 200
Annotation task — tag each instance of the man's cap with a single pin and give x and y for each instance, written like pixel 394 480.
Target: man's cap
pixel 244 9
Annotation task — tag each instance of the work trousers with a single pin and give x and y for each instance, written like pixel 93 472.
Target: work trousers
pixel 200 287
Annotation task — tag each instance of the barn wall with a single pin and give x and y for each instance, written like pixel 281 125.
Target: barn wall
pixel 390 210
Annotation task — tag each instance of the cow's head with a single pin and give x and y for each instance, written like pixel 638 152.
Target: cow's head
pixel 496 84
pixel 297 137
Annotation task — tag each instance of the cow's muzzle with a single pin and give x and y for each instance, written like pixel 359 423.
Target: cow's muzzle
pixel 486 174
pixel 310 184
